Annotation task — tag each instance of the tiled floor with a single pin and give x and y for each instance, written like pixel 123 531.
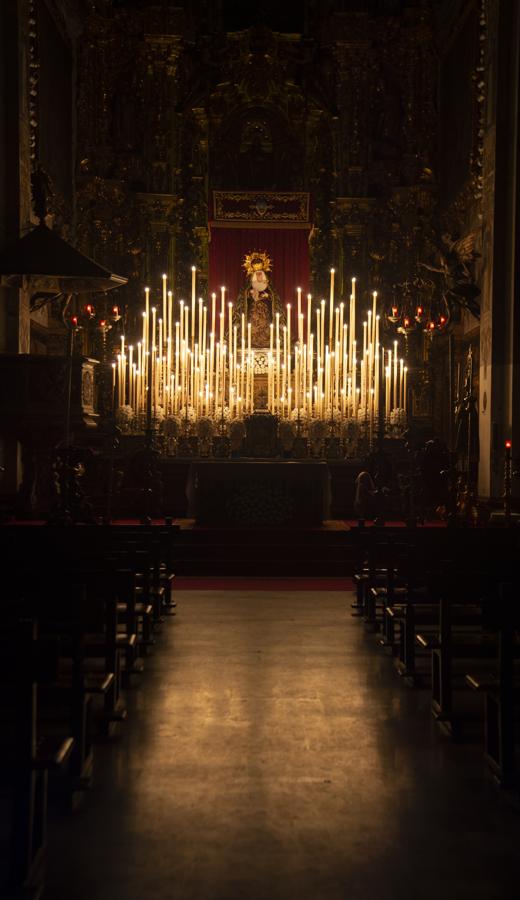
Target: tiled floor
pixel 271 752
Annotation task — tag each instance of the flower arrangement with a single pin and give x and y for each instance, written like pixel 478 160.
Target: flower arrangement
pixel 158 415
pixel 125 417
pixel 318 430
pixel 398 417
pixel 287 434
pixel 205 428
pixel 237 433
pixel 171 426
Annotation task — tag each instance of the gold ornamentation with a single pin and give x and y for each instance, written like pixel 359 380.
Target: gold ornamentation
pixel 256 261
pixel 268 206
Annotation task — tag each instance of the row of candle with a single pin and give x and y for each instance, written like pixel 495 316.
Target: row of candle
pixel 204 361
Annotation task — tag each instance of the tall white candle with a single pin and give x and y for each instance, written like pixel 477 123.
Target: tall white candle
pixel 331 306
pixel 193 285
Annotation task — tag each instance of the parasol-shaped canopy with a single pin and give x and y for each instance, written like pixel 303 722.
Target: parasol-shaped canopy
pixel 42 261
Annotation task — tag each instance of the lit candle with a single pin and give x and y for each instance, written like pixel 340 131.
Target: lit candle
pixel 145 329
pixel 395 397
pixel 309 317
pixel 213 307
pixel 222 308
pixel 164 300
pixel 354 377
pixel 322 336
pixel 331 306
pixel 147 301
pixel 193 282
pixel 405 404
pixel 300 333
pixel 401 383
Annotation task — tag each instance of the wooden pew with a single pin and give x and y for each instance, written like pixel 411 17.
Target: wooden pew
pixel 27 662
pixel 501 688
pixel 457 644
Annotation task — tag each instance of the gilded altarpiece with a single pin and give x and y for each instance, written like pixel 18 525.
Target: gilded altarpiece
pixel 168 115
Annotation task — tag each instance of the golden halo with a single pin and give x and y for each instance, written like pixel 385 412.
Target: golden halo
pixel 256 261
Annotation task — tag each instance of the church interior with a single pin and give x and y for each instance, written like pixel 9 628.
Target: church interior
pixel 259 449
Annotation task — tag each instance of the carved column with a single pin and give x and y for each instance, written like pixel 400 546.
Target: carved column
pixel 352 61
pixel 499 401
pixel 14 308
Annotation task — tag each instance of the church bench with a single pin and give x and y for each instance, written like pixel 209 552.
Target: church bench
pixel 376 575
pixel 26 663
pixel 501 689
pixel 418 632
pixel 91 645
pixel 454 645
pixel 68 613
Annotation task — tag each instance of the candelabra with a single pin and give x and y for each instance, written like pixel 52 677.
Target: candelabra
pixel 193 361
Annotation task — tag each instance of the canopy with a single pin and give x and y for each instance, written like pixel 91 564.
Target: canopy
pixel 42 261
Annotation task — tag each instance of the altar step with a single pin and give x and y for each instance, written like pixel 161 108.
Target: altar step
pixel 263 552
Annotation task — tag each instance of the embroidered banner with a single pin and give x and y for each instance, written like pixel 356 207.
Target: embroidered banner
pixel 260 206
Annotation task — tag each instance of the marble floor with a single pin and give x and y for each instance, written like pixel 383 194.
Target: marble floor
pixel 271 752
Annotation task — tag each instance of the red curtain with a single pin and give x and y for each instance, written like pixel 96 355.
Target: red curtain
pixel 288 249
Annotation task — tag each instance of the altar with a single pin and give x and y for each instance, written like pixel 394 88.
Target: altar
pixel 259 493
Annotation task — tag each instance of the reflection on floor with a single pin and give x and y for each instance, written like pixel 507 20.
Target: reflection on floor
pixel 271 752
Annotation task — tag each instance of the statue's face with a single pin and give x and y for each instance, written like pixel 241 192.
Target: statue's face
pixel 259 280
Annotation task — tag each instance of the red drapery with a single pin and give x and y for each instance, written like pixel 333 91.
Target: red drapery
pixel 288 249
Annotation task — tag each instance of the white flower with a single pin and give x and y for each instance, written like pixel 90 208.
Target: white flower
pixel 318 430
pixel 298 414
pixel 125 416
pixel 237 430
pixel 205 428
pixel 287 434
pixel 171 426
pixel 159 414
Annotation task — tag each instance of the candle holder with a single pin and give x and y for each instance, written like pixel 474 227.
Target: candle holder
pixel 507 482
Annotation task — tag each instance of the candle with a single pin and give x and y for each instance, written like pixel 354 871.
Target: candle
pixel 204 329
pixel 341 337
pixel 213 307
pixel 405 404
pixel 300 333
pixel 145 329
pixel 164 300
pixel 374 310
pixel 130 373
pixel 309 318
pixel 322 336
pixel 222 308
pixel 331 306
pixel 401 383
pixel 193 282
pixel 395 397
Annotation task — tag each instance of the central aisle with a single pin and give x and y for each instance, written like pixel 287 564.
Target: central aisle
pixel 271 752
